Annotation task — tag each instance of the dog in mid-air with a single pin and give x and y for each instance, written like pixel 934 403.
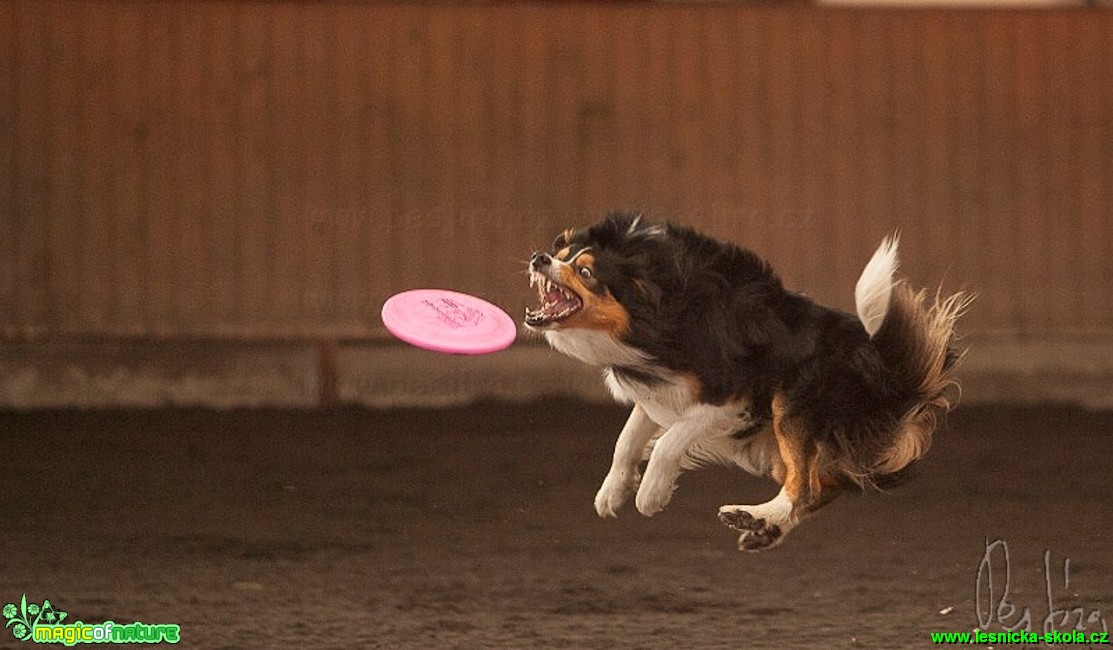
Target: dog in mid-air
pixel 724 365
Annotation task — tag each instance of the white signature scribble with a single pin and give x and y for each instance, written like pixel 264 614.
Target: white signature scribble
pixel 994 604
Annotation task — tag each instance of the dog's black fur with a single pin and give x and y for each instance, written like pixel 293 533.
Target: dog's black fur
pixel 720 313
pixel 712 311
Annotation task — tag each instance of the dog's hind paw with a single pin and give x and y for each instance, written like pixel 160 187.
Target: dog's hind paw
pixel 757 533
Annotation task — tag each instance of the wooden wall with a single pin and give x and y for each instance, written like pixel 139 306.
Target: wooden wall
pixel 270 170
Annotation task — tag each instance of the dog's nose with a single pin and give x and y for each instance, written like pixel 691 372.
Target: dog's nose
pixel 540 261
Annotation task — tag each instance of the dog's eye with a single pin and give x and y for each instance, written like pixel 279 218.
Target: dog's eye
pixel 586 273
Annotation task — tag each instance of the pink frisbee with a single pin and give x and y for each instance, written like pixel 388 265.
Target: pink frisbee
pixel 448 321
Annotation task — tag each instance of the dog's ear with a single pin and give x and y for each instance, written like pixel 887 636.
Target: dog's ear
pixel 618 224
pixel 635 227
pixel 563 238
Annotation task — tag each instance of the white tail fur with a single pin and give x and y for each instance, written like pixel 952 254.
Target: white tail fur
pixel 871 294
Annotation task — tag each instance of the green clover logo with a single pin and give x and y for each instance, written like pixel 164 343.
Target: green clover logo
pixel 23 619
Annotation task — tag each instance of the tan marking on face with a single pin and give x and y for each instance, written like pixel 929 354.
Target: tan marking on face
pixel 563 253
pixel 602 313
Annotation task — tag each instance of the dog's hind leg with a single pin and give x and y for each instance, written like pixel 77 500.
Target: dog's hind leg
pixel 804 487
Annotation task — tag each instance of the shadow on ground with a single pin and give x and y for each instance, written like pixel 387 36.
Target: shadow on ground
pixel 473 528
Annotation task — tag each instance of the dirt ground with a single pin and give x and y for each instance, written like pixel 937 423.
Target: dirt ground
pixel 474 528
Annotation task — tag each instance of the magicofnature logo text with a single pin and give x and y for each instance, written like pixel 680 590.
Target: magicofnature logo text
pixel 44 624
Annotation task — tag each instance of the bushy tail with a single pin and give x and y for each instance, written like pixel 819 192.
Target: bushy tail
pixel 916 341
pixel 875 285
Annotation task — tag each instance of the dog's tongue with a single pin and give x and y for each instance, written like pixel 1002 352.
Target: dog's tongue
pixel 556 303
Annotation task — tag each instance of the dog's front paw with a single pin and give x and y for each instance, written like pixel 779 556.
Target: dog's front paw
pixel 612 495
pixel 653 495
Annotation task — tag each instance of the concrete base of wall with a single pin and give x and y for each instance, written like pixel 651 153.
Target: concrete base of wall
pixel 301 375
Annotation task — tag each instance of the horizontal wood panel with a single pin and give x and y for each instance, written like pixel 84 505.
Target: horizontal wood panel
pixel 270 170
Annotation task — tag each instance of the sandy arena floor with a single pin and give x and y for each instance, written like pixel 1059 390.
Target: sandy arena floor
pixel 473 528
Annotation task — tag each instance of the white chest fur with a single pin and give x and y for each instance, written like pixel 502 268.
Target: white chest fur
pixel 594 348
pixel 663 401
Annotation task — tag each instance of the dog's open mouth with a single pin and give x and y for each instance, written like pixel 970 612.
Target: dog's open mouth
pixel 557 302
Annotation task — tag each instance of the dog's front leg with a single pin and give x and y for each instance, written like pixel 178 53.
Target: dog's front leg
pixel 698 423
pixel 622 479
